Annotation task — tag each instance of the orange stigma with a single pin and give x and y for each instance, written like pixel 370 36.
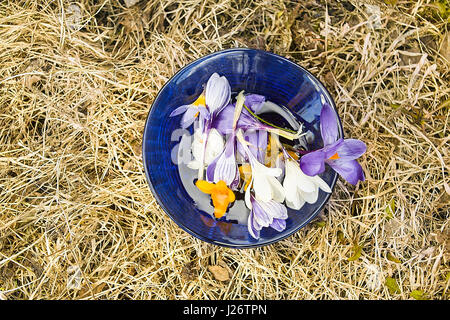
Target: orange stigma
pixel 334 156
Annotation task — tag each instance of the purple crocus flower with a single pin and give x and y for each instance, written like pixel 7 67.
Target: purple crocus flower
pixel 264 214
pixel 339 154
pixel 216 96
pixel 192 111
pixel 224 121
pixel 225 167
pixel 257 146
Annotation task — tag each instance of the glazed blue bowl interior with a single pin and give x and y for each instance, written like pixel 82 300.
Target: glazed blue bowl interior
pixel 280 81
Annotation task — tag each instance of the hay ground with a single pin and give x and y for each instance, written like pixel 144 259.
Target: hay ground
pixel 77 219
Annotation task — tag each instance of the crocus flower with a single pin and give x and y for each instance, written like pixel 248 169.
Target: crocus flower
pixel 217 93
pixel 192 111
pixel 299 187
pixel 217 96
pixel 264 214
pixel 264 181
pixel 224 167
pixel 221 195
pixel 214 148
pixel 339 154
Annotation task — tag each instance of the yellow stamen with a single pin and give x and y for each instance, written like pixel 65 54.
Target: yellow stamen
pixel 200 101
pixel 246 174
pixel 293 154
pixel 334 156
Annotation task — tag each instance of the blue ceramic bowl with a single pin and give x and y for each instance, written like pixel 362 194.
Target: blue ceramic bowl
pixel 282 82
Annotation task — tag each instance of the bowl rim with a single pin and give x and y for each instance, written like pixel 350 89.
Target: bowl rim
pixel 198 235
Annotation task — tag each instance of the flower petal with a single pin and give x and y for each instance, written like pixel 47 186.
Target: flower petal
pixel 351 149
pixel 278 193
pixel 188 117
pixel 179 110
pixel 274 172
pixel 291 193
pixel 217 93
pixel 247 196
pixel 223 121
pixel 301 180
pixel 261 216
pixel 350 170
pixel 205 186
pixel 297 204
pixel 263 190
pixel 194 164
pixel 262 146
pixel 211 169
pixel 274 209
pixel 225 168
pixel 254 102
pixel 313 163
pixel 328 124
pixel 321 184
pixel 278 224
pixel 204 113
pixel 258 140
pixel 310 197
pixel 254 232
pixel 214 146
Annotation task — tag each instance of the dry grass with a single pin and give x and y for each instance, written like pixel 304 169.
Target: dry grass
pixel 77 219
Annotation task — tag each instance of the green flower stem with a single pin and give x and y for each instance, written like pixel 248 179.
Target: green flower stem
pixel 286 133
pixel 267 122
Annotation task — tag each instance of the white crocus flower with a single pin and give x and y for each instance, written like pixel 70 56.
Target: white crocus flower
pixel 264 181
pixel 214 148
pixel 299 187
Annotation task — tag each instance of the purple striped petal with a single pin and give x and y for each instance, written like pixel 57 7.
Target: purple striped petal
pixel 217 93
pixel 188 117
pixel 328 124
pixel 262 146
pixel 252 137
pixel 274 209
pixel 223 121
pixel 253 227
pixel 260 215
pixel 313 163
pixel 211 169
pixel 258 140
pixel 278 224
pixel 350 170
pixel 226 166
pixel 254 102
